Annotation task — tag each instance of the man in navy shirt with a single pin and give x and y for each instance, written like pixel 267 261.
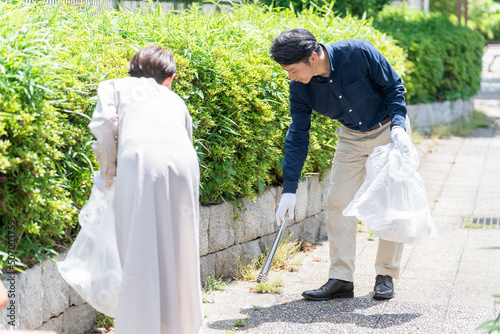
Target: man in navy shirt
pixel 352 82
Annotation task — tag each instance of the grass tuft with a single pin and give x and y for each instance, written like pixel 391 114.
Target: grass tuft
pixel 270 286
pixel 289 256
pixel 214 284
pixel 241 322
pixel 462 127
pixel 104 324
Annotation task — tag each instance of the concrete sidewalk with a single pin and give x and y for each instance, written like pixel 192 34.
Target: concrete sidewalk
pixel 446 285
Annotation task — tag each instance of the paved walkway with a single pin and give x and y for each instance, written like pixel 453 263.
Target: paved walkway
pixel 446 285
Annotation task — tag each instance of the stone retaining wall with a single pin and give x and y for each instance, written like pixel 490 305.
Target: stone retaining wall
pixel 44 301
pixel 424 116
pixel 225 242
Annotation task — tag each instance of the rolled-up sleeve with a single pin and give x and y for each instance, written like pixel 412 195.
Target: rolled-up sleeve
pixel 296 142
pixel 104 126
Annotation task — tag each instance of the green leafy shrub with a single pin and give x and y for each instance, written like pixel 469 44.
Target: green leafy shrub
pixel 445 59
pixel 445 7
pixel 484 16
pixel 358 8
pixel 33 194
pixel 52 59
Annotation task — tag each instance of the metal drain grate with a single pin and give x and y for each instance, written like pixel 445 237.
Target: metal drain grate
pixel 482 222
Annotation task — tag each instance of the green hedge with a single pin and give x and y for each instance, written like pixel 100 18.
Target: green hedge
pixel 358 8
pixel 53 58
pixel 446 59
pixel 484 16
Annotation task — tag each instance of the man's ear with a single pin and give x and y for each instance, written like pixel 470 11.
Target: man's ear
pixel 313 59
pixel 168 81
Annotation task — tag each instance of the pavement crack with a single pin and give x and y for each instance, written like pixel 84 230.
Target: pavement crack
pixel 454 281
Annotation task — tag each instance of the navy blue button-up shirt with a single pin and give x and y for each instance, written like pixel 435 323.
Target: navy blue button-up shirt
pixel 361 90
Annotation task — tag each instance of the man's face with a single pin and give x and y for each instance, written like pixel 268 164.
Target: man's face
pixel 300 72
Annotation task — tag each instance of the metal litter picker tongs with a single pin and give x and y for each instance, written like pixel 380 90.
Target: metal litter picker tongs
pixel 269 260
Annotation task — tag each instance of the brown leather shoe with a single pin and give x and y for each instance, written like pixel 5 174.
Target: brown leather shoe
pixel 331 289
pixel 384 289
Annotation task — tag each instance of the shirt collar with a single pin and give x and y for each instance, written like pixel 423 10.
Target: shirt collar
pixel 329 51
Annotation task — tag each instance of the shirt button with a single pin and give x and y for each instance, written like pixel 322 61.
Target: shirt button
pixel 350 110
pixel 360 123
pixel 331 80
pixel 340 96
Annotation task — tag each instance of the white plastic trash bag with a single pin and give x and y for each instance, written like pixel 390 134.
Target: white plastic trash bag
pixel 392 201
pixel 92 266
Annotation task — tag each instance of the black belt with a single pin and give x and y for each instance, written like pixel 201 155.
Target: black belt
pixel 382 122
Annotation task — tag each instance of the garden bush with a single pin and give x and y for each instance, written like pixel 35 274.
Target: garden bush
pixel 445 59
pixel 53 57
pixel 484 16
pixel 358 8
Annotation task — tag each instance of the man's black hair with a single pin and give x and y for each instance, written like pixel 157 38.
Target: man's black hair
pixel 294 46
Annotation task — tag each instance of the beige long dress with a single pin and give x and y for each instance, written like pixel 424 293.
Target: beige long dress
pixel 157 198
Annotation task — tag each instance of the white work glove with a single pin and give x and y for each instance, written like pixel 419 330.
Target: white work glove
pixel 406 163
pixel 286 207
pixel 101 184
pixel 401 139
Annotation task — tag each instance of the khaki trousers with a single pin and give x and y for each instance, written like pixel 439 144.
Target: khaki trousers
pixel 347 175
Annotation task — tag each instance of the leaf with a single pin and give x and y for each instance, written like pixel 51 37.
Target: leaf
pixel 262 186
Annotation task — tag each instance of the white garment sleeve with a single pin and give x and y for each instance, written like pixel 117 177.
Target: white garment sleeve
pixel 189 124
pixel 104 126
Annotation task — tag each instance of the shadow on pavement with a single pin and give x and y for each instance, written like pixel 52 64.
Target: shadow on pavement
pixel 359 311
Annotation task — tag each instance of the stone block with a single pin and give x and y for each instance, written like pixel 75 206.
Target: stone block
pixel 273 191
pixel 249 251
pixel 266 242
pixel 424 116
pixel 78 319
pixel 247 226
pixel 278 196
pixel 31 298
pixel 207 267
pixel 74 297
pixel 53 324
pixel 323 233
pixel 314 196
pixel 292 232
pixel 325 186
pixel 204 223
pixel 55 291
pixel 221 227
pixel 417 116
pixel 310 229
pixel 267 212
pixel 227 261
pixel 257 218
pixel 301 205
pixel 9 316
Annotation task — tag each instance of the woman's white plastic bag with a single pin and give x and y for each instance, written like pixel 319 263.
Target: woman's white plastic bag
pixel 392 201
pixel 92 266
